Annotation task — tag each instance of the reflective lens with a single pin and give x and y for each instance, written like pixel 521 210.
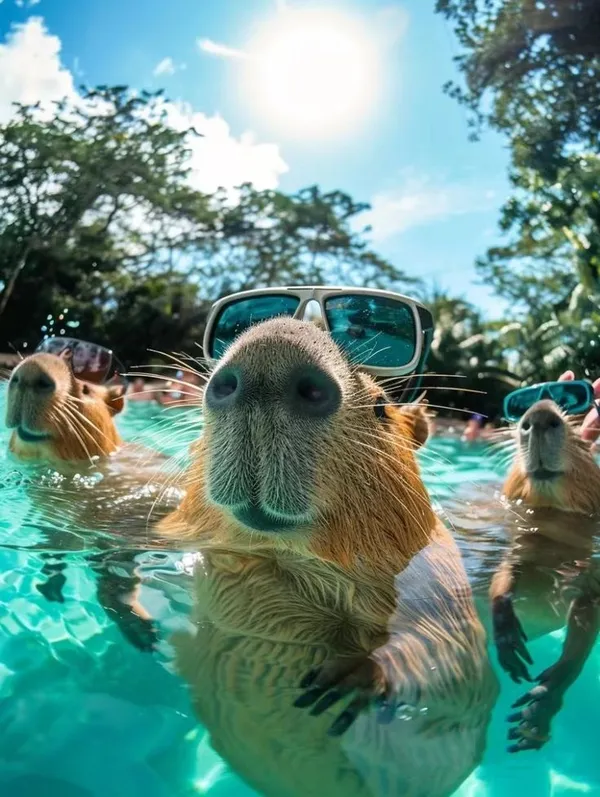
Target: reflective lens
pixel 89 361
pixel 375 331
pixel 236 317
pixel 573 397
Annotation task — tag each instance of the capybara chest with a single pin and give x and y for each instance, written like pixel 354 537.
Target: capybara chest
pixel 260 629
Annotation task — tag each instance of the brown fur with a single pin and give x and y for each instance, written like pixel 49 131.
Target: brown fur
pixel 78 437
pixel 577 490
pixel 549 570
pixel 368 571
pixel 77 417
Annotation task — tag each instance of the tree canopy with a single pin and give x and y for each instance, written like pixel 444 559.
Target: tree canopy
pixel 98 218
pixel 531 69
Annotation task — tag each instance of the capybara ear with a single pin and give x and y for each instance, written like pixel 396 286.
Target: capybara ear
pixel 115 398
pixel 418 417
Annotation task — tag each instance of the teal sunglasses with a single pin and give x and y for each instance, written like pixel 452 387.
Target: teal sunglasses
pixel 572 397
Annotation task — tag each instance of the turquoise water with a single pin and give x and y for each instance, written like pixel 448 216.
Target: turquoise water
pixel 83 712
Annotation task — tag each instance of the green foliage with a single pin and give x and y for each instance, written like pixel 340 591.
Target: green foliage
pixel 532 70
pixel 97 217
pixel 468 365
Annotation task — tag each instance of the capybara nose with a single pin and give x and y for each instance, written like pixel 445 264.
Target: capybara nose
pixel 32 377
pixel 305 390
pixel 541 418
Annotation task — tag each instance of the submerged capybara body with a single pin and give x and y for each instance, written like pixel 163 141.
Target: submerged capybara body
pixel 326 581
pixel 104 485
pixel 549 576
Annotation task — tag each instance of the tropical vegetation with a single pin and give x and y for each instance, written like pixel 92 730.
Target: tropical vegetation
pixel 103 236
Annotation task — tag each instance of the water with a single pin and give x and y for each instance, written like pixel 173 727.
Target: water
pixel 82 712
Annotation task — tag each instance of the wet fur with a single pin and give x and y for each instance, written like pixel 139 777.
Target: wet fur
pixel 578 490
pixel 548 577
pixel 369 569
pixel 83 441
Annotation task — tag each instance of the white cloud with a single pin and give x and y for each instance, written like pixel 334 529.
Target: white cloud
pixel 31 71
pixel 219 159
pixel 419 201
pixel 30 68
pixel 27 3
pixel 220 50
pixel 164 67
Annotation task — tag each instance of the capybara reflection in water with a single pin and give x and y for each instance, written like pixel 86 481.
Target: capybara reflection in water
pixel 550 569
pixel 336 649
pixel 62 421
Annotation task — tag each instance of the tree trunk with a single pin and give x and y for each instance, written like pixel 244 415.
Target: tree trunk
pixel 10 285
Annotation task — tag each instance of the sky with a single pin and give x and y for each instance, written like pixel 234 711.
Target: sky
pixel 288 93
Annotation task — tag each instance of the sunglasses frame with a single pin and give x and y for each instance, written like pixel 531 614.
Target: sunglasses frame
pixel 116 368
pixel 423 319
pixel 512 418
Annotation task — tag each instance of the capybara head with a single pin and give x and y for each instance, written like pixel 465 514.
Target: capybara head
pixel 56 416
pixel 553 466
pixel 302 449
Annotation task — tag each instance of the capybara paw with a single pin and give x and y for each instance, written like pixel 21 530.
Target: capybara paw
pixel 510 640
pixel 359 681
pixel 52 589
pixel 536 711
pixel 140 632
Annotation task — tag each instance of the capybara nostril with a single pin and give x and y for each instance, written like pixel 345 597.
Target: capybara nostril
pixel 541 418
pixel 314 393
pixel 223 390
pixel 44 384
pixel 31 376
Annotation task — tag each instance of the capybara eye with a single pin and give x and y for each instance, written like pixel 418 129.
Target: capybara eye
pixel 86 391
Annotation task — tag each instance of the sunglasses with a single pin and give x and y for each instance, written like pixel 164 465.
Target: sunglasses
pixel 384 333
pixel 90 362
pixel 573 397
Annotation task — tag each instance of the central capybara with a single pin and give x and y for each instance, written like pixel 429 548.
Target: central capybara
pixel 336 648
pixel 550 575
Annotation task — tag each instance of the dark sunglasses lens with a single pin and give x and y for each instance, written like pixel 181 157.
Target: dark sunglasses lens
pixel 56 345
pixel 374 330
pixel 236 317
pixel 90 362
pixel 572 397
pixel 518 402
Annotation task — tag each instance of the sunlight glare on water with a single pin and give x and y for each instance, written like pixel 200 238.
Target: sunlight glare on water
pixel 84 713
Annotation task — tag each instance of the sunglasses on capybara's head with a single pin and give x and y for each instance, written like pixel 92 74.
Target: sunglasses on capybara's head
pixel 383 333
pixel 573 397
pixel 90 361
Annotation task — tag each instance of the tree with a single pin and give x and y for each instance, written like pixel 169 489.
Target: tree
pixel 532 70
pixel 270 238
pixel 99 223
pixel 107 171
pixel 467 363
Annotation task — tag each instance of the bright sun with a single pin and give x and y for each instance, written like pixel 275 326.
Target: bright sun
pixel 313 72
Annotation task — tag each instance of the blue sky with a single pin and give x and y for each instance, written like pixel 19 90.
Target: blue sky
pixel 435 195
